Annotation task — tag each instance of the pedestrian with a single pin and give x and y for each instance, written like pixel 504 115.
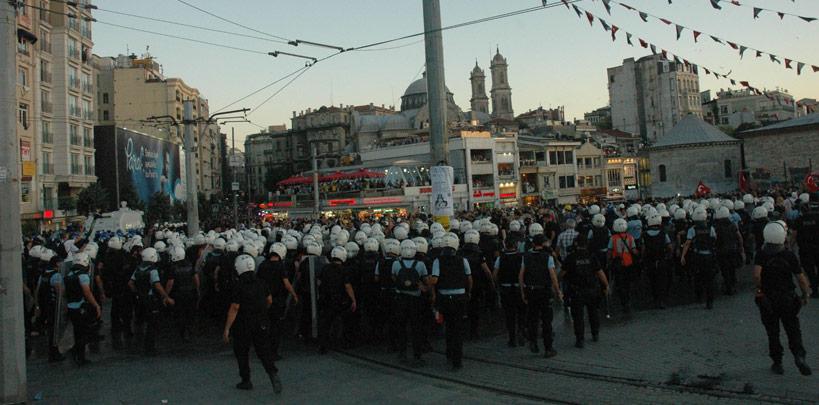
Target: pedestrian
pixel 410 279
pixel 622 259
pixel 507 266
pixel 335 295
pixel 248 324
pixel 83 308
pixel 538 281
pixel 151 295
pixel 583 273
pixel 729 249
pixel 701 240
pixel 774 270
pixel 452 278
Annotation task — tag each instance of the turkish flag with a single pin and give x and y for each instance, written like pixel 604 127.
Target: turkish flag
pixel 810 183
pixel 743 181
pixel 702 190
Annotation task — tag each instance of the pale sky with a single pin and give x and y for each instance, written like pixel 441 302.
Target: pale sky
pixel 554 58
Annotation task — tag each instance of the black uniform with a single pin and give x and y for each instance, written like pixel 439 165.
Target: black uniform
pixel 729 253
pixel 703 261
pixel 655 262
pixel 483 295
pixel 453 279
pixel 472 253
pixel 251 327
pixel 509 263
pixel 367 293
pixel 386 303
pixel 47 300
pixel 185 296
pixel 273 274
pixel 145 277
pixel 332 299
pixel 580 273
pixel 82 315
pixel 807 238
pixel 777 301
pixel 538 290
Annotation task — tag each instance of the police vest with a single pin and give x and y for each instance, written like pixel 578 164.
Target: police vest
pixel 599 240
pixel 368 263
pixel 655 245
pixel 585 280
pixel 489 245
pixel 452 274
pixel 537 274
pixel 808 233
pixel 474 257
pixel 727 240
pixel 73 289
pixel 183 278
pixel 509 268
pixel 703 242
pixel 332 282
pixel 385 273
pixel 46 294
pixel 142 279
pixel 407 278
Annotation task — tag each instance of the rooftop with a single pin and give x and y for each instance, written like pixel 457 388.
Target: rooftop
pixel 692 131
pixel 807 120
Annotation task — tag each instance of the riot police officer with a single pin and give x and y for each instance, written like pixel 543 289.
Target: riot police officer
pixel 49 289
pixel 774 270
pixel 147 285
pixel 729 249
pixel 183 286
pixel 248 323
pixel 409 278
pixel 368 290
pixel 657 248
pixel 274 274
pixel 806 228
pixel 477 261
pixel 452 277
pixel 507 266
pixel 333 285
pixel 583 273
pixel 701 239
pixel 83 309
pixel 538 281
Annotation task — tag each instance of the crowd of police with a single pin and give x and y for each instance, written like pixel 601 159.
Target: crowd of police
pixel 393 282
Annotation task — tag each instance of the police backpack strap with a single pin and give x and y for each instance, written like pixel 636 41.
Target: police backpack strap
pixel 626 257
pixel 407 278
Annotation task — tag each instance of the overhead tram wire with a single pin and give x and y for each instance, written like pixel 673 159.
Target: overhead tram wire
pixel 232 22
pixel 263 88
pixel 254 109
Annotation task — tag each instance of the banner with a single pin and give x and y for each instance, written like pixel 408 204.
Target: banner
pixel 441 198
pixel 702 190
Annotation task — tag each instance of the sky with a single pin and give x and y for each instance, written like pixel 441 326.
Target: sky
pixel 555 58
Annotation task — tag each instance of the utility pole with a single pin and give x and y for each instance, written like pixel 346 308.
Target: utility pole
pixel 191 188
pixel 233 177
pixel 12 332
pixel 314 158
pixel 436 89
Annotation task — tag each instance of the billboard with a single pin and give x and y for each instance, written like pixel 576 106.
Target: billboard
pixel 127 158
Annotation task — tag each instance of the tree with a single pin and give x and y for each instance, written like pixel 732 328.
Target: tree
pixel 159 208
pixel 128 193
pixel 179 211
pixel 94 198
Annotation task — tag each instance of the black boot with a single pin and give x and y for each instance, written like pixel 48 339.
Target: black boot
pixel 245 385
pixel 776 367
pixel 54 355
pixel 802 365
pixel 276 382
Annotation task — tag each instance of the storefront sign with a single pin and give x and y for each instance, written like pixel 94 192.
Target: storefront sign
pixel 25 150
pixel 346 201
pixel 508 195
pixel 382 200
pixel 484 194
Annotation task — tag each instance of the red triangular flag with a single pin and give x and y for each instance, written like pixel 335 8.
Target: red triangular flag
pixel 679 30
pixel 565 3
pixel 590 17
pixel 697 35
pixel 665 54
pixel 665 21
pixel 744 83
pixel 815 68
pixel 614 32
pixel 707 72
pixel 758 54
pixel 644 44
pixel 733 45
pixel 787 63
pixel 810 183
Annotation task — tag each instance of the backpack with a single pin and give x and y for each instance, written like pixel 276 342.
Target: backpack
pixel 626 257
pixel 727 241
pixel 600 238
pixel 142 281
pixel 655 245
pixel 407 278
pixel 702 241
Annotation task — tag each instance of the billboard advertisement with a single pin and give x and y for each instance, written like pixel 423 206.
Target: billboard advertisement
pixel 147 164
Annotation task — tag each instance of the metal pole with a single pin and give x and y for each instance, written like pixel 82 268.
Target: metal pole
pixel 116 167
pixel 233 177
pixel 436 89
pixel 12 339
pixel 191 189
pixel 316 204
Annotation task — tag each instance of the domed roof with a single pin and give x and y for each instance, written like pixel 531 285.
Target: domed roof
pixel 498 59
pixel 419 87
pixel 477 69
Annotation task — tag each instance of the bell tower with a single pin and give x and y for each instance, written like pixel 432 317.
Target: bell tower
pixel 479 101
pixel 501 92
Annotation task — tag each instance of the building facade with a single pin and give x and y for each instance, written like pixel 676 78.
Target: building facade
pixel 541 117
pixel 591 173
pixel 55 109
pixel 501 92
pixel 733 108
pixel 651 95
pixel 783 152
pixel 600 117
pixel 132 89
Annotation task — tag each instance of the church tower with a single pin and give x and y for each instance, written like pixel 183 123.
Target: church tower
pixel 501 92
pixel 479 101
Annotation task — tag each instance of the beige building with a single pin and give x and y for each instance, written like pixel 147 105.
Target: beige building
pixel 590 172
pixel 548 170
pixel 131 89
pixel 55 109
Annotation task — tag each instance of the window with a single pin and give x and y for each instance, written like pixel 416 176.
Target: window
pixel 723 109
pixel 48 198
pixel 598 181
pixel 566 182
pixel 89 165
pixel 105 98
pixel 615 178
pixel 45 102
pixel 22 76
pixel 87 84
pixel 552 158
pixel 45 41
pixel 46 132
pixel 25 191
pixel 22 45
pixel 47 166
pixel 73 47
pixel 74 106
pixel 569 157
pixel 597 162
pixel 87 111
pixel 45 71
pixel 75 164
pixel 87 137
pixel 73 79
pixel 22 115
pixel 728 170
pixel 73 134
pixel 663 174
pixel 105 115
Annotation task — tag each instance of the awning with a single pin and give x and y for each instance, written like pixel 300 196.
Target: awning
pixel 27 35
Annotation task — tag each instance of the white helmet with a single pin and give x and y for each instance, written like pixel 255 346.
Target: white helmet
pixel 759 213
pixel 727 204
pixel 465 226
pixel 680 214
pixel 290 242
pixel 371 245
pixel 36 251
pixel 739 205
pixel 244 264
pixel 594 209
pixel 654 220
pixel 199 239
pixel 748 199
pixel 379 236
pixel 160 246
pixel 47 254
pixel 472 237
pixel 421 245
pixel 367 229
pixel 82 259
pixel 159 235
pixel 313 249
pixel 360 237
pixel 514 226
pixel 436 226
pixel 664 213
pixel 335 229
pixel 804 198
pixel 661 206
pixel 376 227
pixel 775 232
pixel 92 249
pixel 342 237
pixel 437 241
pixel 392 246
pixel 400 233
pixel 620 225
pixel 722 213
pixel 177 254
pixel 768 206
pixel 699 215
pixel 339 253
pixel 455 225
pixel 250 249
pixel 150 255
pixel 278 249
pixel 633 211
pixel 115 243
pixel 233 245
pixel 352 249
pixel 598 220
pixel 219 244
pixel 486 227
pixel 451 241
pixel 673 208
pixel 535 229
pixel 408 249
pixel 493 230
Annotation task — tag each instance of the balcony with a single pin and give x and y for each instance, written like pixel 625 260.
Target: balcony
pixel 86 32
pixel 47 107
pixel 74 53
pixel 73 23
pixel 90 171
pixel 88 115
pixel 76 170
pixel 87 142
pixel 76 140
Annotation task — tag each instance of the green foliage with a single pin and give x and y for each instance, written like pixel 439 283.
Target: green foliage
pixel 94 198
pixel 179 211
pixel 159 208
pixel 128 193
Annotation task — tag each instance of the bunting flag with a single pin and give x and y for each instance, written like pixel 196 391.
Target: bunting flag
pixel 716 39
pixel 732 45
pixel 644 44
pixel 679 30
pixel 590 17
pixel 614 30
pixel 774 59
pixel 566 3
pixel 715 4
pixel 664 53
pixel 628 39
pixel 667 22
pixel 808 19
pixel 757 10
pixel 696 35
pixel 788 64
pixel 577 10
pixel 708 72
pixel 758 54
pixel 733 82
pixel 799 66
pixel 607 5
pixel 604 24
pixel 815 68
pixel 644 16
pixel 742 50
pixel 653 49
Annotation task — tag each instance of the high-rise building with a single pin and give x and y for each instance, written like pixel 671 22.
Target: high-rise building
pixel 651 95
pixel 55 109
pixel 132 89
pixel 501 92
pixel 479 101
